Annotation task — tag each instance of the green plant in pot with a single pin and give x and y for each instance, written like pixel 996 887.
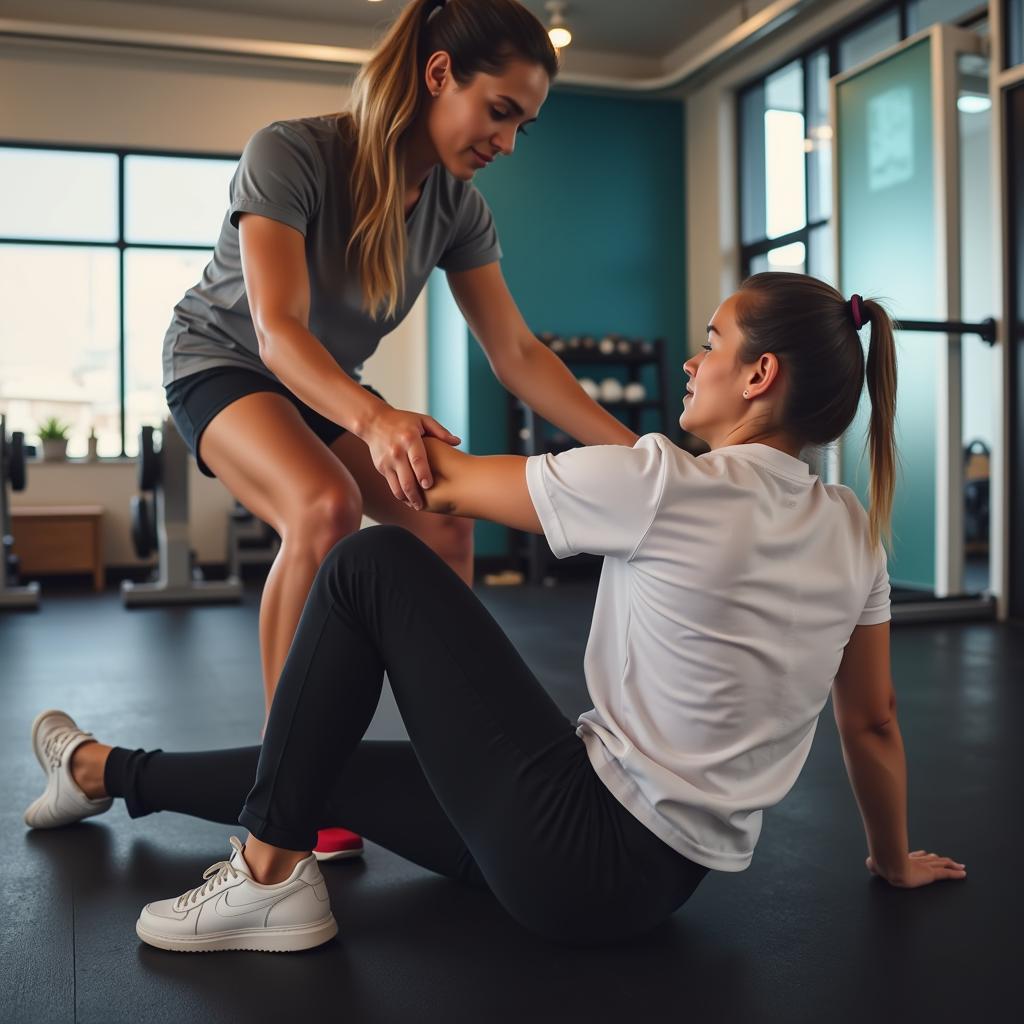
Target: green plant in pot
pixel 54 436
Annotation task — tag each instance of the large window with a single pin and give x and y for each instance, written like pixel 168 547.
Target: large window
pixel 785 140
pixel 95 250
pixel 1014 32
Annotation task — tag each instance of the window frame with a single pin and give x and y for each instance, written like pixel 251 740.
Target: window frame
pixel 828 41
pixel 120 244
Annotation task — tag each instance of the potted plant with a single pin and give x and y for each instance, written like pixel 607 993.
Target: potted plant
pixel 54 436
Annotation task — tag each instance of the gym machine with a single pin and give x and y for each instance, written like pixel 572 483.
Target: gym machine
pixel 250 541
pixel 161 523
pixel 12 471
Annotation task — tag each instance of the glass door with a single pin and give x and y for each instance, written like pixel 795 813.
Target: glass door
pixel 897 180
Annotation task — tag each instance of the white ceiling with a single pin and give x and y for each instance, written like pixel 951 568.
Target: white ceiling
pixel 638 28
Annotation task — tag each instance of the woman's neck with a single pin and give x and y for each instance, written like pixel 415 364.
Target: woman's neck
pixel 783 444
pixel 419 158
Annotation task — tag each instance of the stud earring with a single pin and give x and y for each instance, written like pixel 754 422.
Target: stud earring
pixel 746 394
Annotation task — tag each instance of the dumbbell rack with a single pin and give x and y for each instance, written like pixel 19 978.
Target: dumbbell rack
pixel 12 470
pixel 530 434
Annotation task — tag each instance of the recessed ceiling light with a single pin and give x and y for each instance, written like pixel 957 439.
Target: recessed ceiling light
pixel 558 30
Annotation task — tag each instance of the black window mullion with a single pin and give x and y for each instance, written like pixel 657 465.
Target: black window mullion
pixel 121 300
pixel 807 156
pixel 904 19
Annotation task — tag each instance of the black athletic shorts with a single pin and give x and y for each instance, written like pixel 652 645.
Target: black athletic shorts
pixel 196 399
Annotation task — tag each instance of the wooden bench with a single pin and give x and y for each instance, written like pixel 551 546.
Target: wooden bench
pixel 59 539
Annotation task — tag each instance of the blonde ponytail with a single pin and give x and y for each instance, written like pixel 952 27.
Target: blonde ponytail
pixel 385 99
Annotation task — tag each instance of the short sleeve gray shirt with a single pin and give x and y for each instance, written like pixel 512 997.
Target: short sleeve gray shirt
pixel 296 172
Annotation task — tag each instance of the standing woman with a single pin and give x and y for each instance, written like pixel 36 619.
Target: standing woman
pixel 335 223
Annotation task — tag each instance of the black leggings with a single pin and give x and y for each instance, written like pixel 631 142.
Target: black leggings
pixel 495 788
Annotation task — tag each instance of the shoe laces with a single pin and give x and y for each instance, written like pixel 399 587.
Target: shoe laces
pixel 57 742
pixel 216 873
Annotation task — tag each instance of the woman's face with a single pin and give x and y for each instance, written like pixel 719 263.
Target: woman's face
pixel 714 408
pixel 469 125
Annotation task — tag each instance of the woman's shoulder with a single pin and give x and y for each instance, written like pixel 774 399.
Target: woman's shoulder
pixel 325 134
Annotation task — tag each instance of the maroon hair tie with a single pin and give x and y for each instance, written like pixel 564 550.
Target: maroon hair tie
pixel 856 311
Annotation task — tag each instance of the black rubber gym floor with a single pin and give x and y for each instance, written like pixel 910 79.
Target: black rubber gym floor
pixel 805 934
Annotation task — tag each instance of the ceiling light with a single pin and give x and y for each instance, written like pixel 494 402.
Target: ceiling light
pixel 558 30
pixel 973 103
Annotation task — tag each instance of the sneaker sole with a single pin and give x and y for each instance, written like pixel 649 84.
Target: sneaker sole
pixel 338 854
pixel 257 940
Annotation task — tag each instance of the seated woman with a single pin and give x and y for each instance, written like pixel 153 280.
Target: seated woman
pixel 738 590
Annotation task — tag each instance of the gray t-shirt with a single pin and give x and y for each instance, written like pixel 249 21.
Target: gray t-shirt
pixel 296 172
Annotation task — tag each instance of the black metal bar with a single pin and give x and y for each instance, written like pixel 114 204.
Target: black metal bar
pixel 108 244
pixel 985 329
pixel 119 151
pixel 759 248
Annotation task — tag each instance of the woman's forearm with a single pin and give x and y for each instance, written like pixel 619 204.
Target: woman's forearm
pixel 548 387
pixel 309 371
pixel 877 767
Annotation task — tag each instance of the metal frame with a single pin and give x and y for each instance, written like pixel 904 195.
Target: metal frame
pixel 1008 469
pixel 947 42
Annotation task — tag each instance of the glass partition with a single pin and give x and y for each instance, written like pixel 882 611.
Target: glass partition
pixel 888 249
pixel 979 360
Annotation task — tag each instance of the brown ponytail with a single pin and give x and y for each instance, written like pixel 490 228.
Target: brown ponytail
pixel 809 327
pixel 881 375
pixel 478 35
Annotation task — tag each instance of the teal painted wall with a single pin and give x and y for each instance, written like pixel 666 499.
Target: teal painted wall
pixel 447 359
pixel 590 212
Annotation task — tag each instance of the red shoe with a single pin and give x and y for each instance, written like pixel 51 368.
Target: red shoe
pixel 337 843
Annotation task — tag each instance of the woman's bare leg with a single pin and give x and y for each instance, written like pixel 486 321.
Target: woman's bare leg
pixel 268 458
pixel 87 763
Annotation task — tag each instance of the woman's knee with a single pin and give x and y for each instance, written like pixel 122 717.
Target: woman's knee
pixel 318 525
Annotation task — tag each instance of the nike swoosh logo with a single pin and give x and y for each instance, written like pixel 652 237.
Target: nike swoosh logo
pixel 225 909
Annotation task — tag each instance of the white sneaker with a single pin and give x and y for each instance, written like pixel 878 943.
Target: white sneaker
pixel 55 737
pixel 232 911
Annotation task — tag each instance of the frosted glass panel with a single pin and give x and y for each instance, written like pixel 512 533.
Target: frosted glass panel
pixel 863 43
pixel 175 200
pixel 1014 32
pixel 56 194
pixel 922 13
pixel 888 250
pixel 154 279
pixel 58 356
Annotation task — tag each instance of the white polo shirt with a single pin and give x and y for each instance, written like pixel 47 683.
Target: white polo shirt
pixel 730 587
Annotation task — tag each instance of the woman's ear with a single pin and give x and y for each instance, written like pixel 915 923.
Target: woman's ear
pixel 765 374
pixel 436 72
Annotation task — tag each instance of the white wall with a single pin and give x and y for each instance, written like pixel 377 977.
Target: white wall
pixel 71 95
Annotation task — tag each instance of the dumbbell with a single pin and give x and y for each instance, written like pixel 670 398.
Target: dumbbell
pixel 150 463
pixel 144 536
pixel 611 390
pixel 14 460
